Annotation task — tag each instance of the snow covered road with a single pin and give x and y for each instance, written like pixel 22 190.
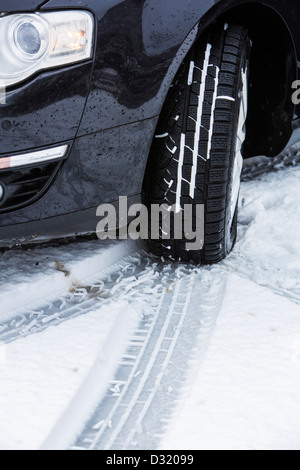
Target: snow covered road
pixel 108 326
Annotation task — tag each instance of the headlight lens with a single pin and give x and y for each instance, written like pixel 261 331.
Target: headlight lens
pixel 28 38
pixel 33 42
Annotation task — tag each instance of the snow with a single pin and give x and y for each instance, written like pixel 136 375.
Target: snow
pixel 246 395
pixel 31 278
pixel 268 250
pixel 41 374
pixel 245 391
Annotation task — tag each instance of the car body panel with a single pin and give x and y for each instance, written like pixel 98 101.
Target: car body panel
pixel 100 167
pixel 20 5
pixel 45 110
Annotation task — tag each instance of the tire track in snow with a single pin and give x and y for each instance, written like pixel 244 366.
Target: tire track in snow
pixel 98 291
pixel 157 366
pixel 258 166
pixel 162 346
pixel 173 330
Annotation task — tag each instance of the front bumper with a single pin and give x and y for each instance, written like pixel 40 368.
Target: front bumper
pixel 100 167
pixel 61 226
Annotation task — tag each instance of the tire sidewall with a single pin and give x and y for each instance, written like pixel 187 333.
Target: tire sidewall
pixel 231 228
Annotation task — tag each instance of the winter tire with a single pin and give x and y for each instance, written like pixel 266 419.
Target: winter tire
pixel 196 156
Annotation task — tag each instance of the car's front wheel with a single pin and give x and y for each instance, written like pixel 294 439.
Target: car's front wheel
pixel 196 157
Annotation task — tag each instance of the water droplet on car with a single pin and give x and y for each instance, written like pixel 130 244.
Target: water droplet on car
pixel 6 125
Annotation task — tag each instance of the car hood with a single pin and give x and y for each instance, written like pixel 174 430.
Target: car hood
pixel 20 5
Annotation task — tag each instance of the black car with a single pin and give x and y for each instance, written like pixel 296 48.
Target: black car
pixel 155 100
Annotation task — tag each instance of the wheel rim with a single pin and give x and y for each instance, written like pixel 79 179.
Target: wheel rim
pixel 238 159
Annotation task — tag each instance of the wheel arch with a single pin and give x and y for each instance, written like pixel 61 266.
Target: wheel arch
pixel 273 69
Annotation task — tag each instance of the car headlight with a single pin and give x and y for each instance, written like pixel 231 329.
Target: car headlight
pixel 38 41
